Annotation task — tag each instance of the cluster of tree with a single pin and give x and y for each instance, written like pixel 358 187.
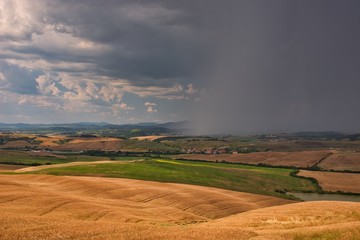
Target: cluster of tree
pixel 6 139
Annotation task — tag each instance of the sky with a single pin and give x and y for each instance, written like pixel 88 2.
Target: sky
pixel 226 65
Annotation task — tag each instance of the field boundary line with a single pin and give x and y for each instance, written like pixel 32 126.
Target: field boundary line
pixel 42 167
pixel 322 159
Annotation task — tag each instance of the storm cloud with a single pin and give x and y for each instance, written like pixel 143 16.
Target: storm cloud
pixel 233 66
pixel 284 66
pixel 92 54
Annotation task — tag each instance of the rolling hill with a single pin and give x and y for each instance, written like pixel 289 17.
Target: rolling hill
pixel 58 207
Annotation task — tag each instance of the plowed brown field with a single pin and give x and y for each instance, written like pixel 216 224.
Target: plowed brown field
pixel 335 181
pixel 342 161
pixel 50 207
pixel 5 167
pixel 296 159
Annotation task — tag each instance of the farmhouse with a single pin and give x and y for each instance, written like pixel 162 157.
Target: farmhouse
pixel 209 151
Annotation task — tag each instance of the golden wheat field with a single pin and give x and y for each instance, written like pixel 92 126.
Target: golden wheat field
pixel 59 207
pixel 22 169
pixel 64 143
pixel 335 181
pixel 81 144
pixel 148 138
pixel 297 159
pixel 49 141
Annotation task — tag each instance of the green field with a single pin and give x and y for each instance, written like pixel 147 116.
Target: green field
pixel 147 146
pixel 252 179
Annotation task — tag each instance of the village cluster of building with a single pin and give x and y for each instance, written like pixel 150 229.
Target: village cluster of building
pixel 219 150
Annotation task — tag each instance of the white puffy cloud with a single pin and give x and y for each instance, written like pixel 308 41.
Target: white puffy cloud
pixel 191 89
pixel 173 92
pixel 150 104
pixel 66 87
pixel 151 107
pixel 41 101
pixel 118 108
pixel 47 86
pixel 3 82
pixel 124 106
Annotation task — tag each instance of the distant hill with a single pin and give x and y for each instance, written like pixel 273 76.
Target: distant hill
pixel 176 125
pixel 100 128
pixel 153 128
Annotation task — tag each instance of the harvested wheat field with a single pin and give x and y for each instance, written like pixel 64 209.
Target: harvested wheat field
pixel 307 220
pixel 342 161
pixel 50 141
pixel 49 207
pixel 148 138
pixel 335 181
pixel 125 200
pixel 81 144
pixel 297 159
pixel 44 141
pixel 24 169
pixel 61 142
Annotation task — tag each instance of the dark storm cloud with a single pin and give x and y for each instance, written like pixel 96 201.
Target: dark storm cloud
pixel 146 41
pixel 284 65
pixel 18 80
pixel 265 65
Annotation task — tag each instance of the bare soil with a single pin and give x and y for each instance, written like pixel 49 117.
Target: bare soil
pixel 6 167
